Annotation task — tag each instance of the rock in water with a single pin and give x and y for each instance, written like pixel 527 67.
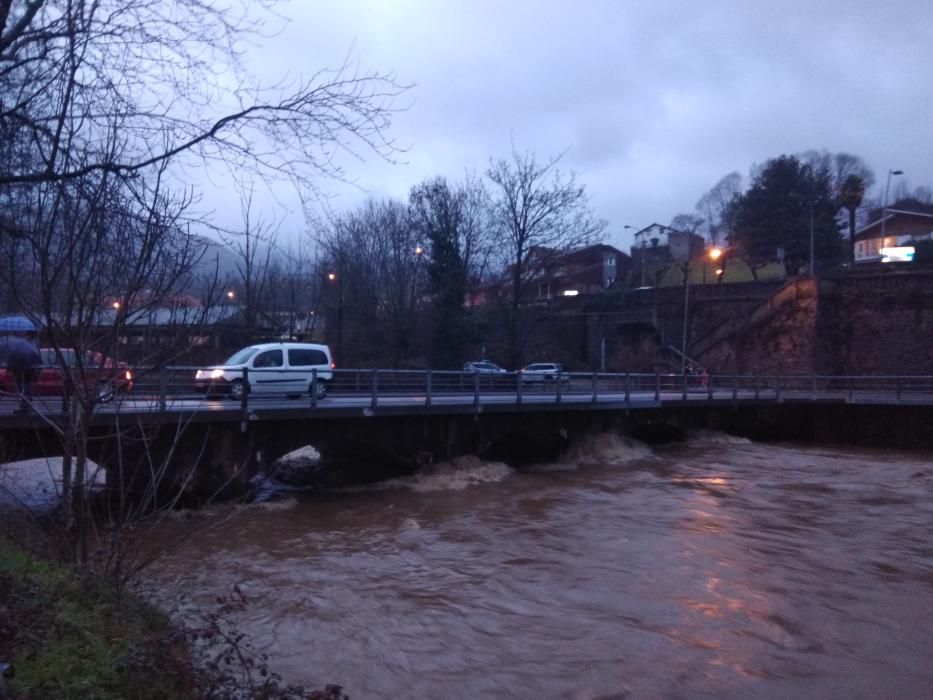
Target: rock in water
pixel 297 468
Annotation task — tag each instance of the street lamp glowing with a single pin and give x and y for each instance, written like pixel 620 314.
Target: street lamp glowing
pixel 715 253
pixel 331 276
pixel 884 209
pixel 419 250
pixel 231 294
pixel 116 305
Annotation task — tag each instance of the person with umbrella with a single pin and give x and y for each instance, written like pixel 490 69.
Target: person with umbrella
pixel 21 356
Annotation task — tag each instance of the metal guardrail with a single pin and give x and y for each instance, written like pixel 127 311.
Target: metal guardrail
pixel 430 387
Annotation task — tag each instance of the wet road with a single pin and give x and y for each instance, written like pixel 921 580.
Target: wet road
pixel 715 569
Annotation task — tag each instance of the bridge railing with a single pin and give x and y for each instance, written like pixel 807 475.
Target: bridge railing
pixel 171 383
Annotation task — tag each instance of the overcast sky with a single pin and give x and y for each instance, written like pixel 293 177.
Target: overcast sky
pixel 653 102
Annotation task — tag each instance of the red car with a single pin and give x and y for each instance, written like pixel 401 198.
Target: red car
pixel 100 371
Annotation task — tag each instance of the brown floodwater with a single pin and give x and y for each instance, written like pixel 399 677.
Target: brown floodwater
pixel 715 569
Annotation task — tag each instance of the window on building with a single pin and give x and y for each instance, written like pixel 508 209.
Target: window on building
pixel 610 260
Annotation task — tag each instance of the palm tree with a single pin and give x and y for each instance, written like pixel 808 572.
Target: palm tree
pixel 851 193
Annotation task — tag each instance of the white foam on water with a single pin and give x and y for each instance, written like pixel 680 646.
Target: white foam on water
pixel 715 438
pixel 275 504
pixel 410 524
pixel 605 448
pixel 458 473
pixel 37 483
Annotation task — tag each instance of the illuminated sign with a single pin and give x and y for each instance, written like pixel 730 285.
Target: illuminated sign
pixel 571 292
pixel 901 253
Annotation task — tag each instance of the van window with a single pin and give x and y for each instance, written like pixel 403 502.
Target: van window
pixel 241 357
pixel 269 358
pixel 304 357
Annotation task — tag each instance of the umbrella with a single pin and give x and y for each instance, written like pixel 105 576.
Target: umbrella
pixel 11 345
pixel 17 324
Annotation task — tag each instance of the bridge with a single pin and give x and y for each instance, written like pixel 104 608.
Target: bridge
pixel 378 422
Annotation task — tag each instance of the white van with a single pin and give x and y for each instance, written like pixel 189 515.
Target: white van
pixel 284 369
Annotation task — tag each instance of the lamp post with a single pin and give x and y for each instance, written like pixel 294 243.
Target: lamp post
pixel 884 208
pixel 683 346
pixel 642 255
pixel 338 278
pixel 714 254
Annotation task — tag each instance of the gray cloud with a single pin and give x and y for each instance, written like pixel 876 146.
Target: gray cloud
pixel 653 102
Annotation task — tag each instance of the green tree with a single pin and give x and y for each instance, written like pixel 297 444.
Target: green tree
pixel 786 200
pixel 437 213
pixel 851 194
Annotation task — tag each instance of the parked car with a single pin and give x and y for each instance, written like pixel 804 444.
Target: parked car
pixel 544 372
pixel 272 368
pixel 96 371
pixel 482 366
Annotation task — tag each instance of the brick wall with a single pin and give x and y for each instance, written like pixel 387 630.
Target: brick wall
pixel 844 326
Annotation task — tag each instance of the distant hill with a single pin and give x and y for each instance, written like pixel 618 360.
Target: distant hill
pixel 218 256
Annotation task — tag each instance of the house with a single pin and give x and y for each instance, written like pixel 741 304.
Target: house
pixel 548 273
pixel 587 270
pixel 899 228
pixel 658 245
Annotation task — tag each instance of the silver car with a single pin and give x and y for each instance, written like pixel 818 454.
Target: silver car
pixel 544 372
pixel 483 366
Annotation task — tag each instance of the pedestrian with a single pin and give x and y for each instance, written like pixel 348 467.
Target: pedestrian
pixel 22 358
pixel 692 374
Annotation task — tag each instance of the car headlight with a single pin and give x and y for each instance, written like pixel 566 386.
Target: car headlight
pixel 217 374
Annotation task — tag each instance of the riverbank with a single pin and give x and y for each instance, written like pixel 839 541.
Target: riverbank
pixel 68 636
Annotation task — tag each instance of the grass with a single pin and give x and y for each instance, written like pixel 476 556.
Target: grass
pixel 71 637
pixel 704 272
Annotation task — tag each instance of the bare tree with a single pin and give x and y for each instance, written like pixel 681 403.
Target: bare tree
pixel 373 282
pixel 539 212
pixel 105 102
pixel 689 223
pixel 96 254
pixel 715 207
pixel 253 246
pixel 157 75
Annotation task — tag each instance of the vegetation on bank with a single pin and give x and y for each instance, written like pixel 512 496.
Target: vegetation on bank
pixel 70 635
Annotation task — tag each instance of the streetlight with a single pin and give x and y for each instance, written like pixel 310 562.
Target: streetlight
pixel 642 254
pixel 884 208
pixel 334 277
pixel 714 254
pixel 231 295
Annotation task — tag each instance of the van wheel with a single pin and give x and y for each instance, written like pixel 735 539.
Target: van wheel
pixel 319 388
pixel 236 390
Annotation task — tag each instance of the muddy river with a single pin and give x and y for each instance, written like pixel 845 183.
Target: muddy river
pixel 715 569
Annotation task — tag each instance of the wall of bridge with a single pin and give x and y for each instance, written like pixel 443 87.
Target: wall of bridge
pixel 222 457
pixel 638 323
pixel 207 460
pixel 844 325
